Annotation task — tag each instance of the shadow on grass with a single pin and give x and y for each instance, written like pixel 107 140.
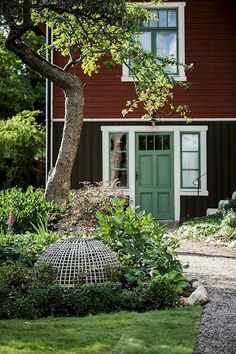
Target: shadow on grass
pixel 163 332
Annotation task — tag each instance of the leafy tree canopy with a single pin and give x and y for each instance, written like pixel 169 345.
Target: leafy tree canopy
pixel 21 87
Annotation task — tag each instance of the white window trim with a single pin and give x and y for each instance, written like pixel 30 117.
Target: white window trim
pixel 181 42
pixel 131 131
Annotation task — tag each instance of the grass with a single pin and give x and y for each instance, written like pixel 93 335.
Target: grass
pixel 155 332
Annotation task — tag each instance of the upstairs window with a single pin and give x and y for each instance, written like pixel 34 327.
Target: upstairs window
pixel 163 35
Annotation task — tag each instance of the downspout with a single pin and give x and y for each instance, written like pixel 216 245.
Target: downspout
pixel 48 110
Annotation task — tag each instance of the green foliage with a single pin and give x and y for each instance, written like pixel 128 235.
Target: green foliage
pixel 219 226
pixel 25 247
pixel 230 206
pixel 139 241
pixel 21 88
pixel 80 218
pixel 93 298
pixel 21 138
pixel 33 292
pixel 228 225
pixel 27 209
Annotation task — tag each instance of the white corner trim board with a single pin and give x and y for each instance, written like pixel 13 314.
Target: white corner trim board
pixel 176 130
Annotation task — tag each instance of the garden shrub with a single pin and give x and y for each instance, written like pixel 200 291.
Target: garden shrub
pixel 20 210
pixel 26 247
pixel 80 218
pixel 228 225
pixel 32 292
pixel 21 139
pixel 141 244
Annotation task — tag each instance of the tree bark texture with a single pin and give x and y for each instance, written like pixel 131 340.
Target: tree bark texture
pixel 58 185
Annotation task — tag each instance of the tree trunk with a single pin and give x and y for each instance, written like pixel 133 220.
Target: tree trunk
pixel 58 185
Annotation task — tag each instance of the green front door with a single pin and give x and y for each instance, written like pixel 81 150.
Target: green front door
pixel 154 174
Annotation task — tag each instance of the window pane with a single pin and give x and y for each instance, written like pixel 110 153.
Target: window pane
pixel 120 176
pixel 172 18
pixel 118 160
pixel 166 44
pixel 188 178
pixel 118 142
pixel 190 160
pixel 158 142
pixel 166 142
pixel 162 16
pixel 190 142
pixel 145 40
pixel 150 142
pixel 154 19
pixel 142 142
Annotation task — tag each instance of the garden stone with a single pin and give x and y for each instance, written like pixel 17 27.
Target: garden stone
pixel 199 296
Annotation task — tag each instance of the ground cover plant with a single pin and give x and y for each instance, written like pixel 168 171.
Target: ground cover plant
pixel 163 332
pixel 220 227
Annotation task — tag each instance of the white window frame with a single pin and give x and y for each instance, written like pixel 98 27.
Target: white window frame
pixel 126 77
pixel 176 130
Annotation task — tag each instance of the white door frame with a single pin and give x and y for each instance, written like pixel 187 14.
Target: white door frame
pixel 131 130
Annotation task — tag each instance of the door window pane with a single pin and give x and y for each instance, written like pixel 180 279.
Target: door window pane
pixel 142 142
pixel 166 142
pixel 150 142
pixel 158 142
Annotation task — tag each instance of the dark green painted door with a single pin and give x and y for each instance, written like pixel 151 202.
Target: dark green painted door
pixel 154 174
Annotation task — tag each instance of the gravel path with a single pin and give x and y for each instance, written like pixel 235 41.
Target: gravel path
pixel 216 269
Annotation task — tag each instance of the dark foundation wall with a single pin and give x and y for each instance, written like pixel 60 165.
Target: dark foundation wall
pixel 221 161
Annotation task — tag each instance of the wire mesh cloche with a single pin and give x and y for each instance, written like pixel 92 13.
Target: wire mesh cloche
pixel 81 260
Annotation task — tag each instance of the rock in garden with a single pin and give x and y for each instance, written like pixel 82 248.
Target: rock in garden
pixel 199 296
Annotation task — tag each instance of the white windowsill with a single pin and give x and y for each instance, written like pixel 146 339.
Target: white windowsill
pixel 132 79
pixel 193 192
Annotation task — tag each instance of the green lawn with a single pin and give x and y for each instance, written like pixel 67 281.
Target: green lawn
pixel 155 332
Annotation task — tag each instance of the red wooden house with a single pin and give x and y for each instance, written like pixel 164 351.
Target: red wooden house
pixel 173 169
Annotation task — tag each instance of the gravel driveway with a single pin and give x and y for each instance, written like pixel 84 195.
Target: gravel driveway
pixel 216 269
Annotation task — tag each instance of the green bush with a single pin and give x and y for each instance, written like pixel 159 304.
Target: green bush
pixel 141 244
pixel 228 225
pixel 26 247
pixel 33 292
pixel 20 210
pixel 21 139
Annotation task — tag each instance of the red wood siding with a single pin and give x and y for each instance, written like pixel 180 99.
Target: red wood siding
pixel 210 45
